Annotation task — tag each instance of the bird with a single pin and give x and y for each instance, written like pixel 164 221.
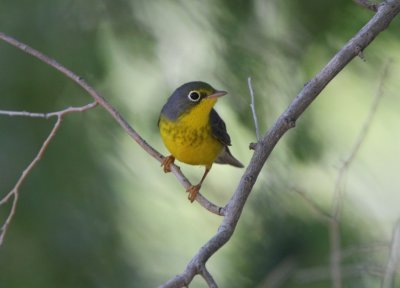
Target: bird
pixel 193 132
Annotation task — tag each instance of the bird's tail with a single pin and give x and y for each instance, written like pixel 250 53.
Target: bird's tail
pixel 226 157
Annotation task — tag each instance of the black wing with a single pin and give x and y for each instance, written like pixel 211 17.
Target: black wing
pixel 218 128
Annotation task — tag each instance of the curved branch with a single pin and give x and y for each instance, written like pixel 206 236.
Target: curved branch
pixel 386 12
pixel 14 193
pixel 114 113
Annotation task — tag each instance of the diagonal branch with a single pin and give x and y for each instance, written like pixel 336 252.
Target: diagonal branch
pixel 207 277
pixel 232 211
pixel 337 198
pixel 114 113
pixel 14 193
pixel 337 203
pixel 379 22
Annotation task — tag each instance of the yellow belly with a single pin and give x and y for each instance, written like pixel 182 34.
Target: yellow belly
pixel 189 141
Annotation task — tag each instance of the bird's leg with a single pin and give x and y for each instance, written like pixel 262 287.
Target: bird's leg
pixel 166 163
pixel 194 189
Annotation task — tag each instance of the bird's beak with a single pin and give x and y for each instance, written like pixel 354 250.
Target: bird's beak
pixel 217 94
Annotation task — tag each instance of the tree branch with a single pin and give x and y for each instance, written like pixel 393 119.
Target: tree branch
pixel 207 277
pixel 337 203
pixel 379 22
pixel 14 193
pixel 253 109
pixel 367 4
pixel 232 211
pixel 60 113
pixel 114 113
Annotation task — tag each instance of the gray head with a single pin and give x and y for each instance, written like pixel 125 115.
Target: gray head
pixel 185 97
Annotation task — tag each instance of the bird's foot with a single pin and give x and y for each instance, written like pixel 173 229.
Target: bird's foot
pixel 193 191
pixel 166 163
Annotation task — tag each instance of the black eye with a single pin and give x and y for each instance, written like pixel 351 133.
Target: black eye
pixel 194 96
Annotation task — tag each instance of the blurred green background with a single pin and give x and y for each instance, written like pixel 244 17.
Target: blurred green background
pixel 99 212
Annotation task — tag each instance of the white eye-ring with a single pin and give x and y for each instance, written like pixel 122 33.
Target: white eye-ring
pixel 194 96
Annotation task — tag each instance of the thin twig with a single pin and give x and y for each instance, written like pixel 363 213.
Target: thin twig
pixel 50 114
pixel 266 145
pixel 23 114
pixel 326 217
pixel 338 190
pixel 335 253
pixel 280 274
pixel 394 259
pixel 114 113
pixel 253 109
pixel 14 193
pixel 364 249
pixel 317 274
pixel 337 203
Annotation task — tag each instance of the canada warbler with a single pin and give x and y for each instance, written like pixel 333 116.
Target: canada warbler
pixel 192 130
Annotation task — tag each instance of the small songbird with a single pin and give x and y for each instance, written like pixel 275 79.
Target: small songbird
pixel 193 132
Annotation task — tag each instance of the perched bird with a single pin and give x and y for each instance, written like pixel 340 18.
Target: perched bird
pixel 193 132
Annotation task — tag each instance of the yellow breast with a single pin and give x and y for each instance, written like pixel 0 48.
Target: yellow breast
pixel 189 138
